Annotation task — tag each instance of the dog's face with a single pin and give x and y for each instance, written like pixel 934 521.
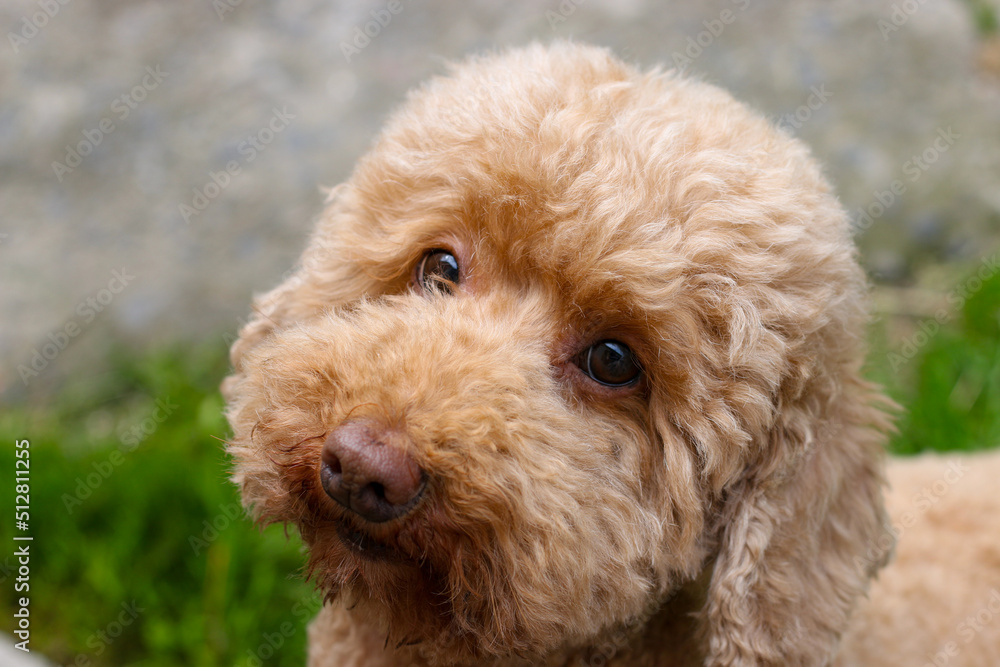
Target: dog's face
pixel 567 333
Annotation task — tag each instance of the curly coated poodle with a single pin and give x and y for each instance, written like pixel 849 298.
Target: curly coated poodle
pixel 569 374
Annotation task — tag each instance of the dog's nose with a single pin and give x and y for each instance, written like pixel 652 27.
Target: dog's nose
pixel 369 475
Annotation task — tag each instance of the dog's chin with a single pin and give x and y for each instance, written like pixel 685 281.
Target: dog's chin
pixel 373 570
pixel 394 594
pixel 409 596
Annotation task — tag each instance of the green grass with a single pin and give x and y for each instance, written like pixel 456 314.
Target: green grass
pixel 984 16
pixel 226 594
pixel 120 522
pixel 946 377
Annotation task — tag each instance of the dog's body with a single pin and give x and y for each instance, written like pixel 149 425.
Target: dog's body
pixel 569 374
pixel 937 603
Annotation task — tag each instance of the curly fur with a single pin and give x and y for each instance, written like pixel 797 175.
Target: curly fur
pixel 727 511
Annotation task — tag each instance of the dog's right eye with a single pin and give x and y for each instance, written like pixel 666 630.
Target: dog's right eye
pixel 438 270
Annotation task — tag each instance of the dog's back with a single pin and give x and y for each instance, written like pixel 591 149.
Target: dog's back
pixel 938 602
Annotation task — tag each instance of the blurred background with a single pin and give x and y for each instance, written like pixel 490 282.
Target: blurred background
pixel 160 162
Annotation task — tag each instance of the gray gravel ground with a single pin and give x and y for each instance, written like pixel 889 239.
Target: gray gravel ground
pixel 161 95
pixel 11 657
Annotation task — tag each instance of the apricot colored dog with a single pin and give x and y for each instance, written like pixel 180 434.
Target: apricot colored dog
pixel 569 374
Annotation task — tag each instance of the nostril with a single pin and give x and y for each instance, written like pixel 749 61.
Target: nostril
pixel 378 490
pixel 331 460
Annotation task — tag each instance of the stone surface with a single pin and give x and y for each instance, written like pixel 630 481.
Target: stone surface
pixel 200 78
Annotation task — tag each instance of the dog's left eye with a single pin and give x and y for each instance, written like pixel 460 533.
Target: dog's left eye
pixel 438 270
pixel 610 363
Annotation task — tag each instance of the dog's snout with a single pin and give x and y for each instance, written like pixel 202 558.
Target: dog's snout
pixel 365 471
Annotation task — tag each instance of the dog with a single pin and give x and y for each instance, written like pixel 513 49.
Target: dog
pixel 570 374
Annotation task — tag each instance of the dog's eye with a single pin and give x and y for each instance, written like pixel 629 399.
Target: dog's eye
pixel 611 363
pixel 438 270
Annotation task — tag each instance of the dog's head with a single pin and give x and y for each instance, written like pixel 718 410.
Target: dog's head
pixel 570 336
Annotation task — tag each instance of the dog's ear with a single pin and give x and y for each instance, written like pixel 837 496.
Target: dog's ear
pixel 801 535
